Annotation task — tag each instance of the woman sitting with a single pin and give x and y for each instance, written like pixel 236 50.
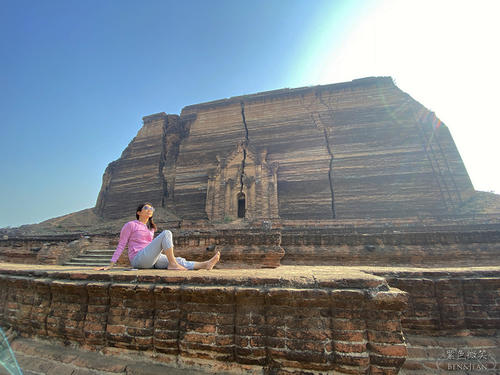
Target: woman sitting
pixel 144 252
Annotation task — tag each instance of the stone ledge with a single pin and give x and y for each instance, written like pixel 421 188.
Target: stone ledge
pixel 285 276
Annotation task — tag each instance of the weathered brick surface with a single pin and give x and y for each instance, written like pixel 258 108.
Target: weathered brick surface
pixel 455 247
pixel 295 328
pixel 130 316
pixel 441 303
pixel 68 309
pixel 51 249
pixel 322 321
pixel 336 146
pixel 97 313
pixel 240 248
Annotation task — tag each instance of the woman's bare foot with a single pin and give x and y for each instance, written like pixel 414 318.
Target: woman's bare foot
pixel 213 261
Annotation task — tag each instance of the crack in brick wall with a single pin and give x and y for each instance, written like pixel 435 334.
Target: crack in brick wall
pixel 318 124
pixel 162 163
pixel 245 144
pixel 327 141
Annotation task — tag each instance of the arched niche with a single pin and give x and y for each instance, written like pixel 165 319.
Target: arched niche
pixel 242 186
pixel 241 205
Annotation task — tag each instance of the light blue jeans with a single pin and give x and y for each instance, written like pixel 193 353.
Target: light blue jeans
pixel 151 256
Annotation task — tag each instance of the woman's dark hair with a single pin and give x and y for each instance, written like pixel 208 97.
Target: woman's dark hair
pixel 151 224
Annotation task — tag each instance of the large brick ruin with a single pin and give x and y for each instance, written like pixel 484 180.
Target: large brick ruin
pixel 351 150
pixel 345 247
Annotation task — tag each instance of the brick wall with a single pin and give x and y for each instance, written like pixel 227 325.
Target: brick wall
pixel 239 248
pixel 52 249
pixel 34 250
pixel 243 248
pixel 350 326
pixel 450 303
pixel 323 246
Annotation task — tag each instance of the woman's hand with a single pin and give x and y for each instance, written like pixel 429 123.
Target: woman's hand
pixel 103 268
pixel 111 265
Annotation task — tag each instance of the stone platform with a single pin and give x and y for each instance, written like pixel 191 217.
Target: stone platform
pixel 293 319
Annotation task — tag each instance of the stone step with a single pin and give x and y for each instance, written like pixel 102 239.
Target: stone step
pixel 87 264
pixel 95 253
pixel 92 258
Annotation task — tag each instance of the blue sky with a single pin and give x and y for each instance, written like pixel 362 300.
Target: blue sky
pixel 78 76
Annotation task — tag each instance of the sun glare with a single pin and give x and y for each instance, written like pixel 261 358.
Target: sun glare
pixel 444 54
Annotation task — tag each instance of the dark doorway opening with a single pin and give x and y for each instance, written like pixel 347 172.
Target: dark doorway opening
pixel 241 205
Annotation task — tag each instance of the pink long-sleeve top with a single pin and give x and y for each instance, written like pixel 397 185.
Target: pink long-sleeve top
pixel 137 235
